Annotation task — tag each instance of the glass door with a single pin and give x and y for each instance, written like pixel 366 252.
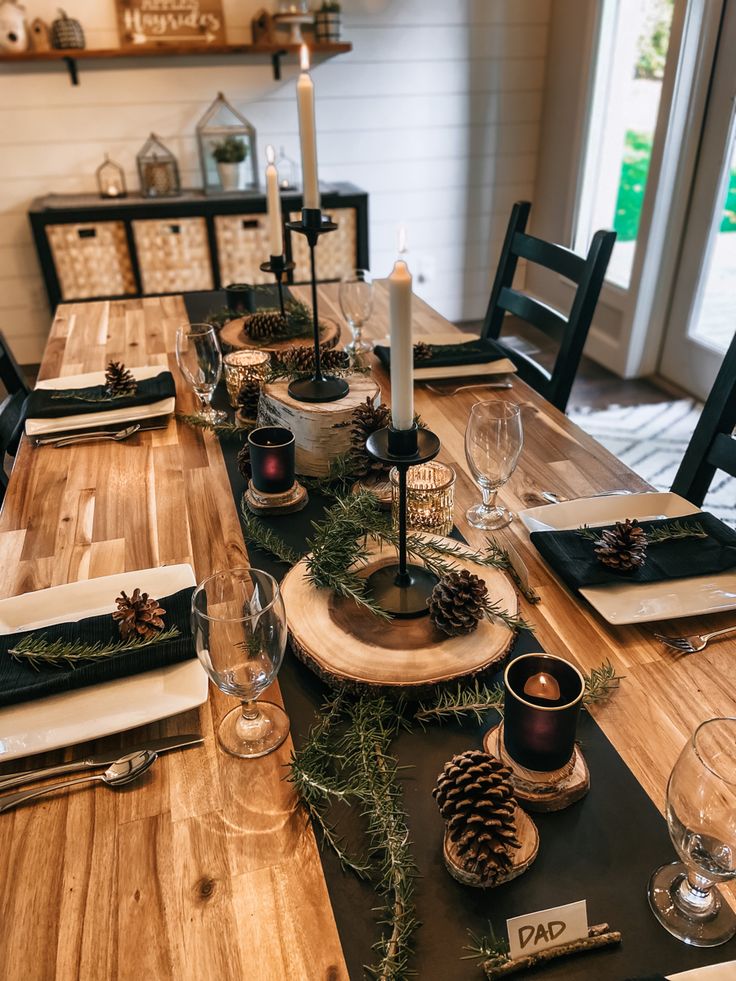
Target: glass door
pixel 702 315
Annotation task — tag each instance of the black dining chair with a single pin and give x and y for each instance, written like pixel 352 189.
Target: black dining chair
pixel 587 274
pixel 12 415
pixel 713 444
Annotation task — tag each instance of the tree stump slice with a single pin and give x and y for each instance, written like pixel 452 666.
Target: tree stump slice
pixel 537 790
pixel 321 429
pixel 349 646
pixel 233 336
pixel 526 832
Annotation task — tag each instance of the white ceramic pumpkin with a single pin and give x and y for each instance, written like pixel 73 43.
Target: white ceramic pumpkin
pixel 13 33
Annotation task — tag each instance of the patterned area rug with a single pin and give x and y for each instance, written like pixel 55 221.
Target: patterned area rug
pixel 651 440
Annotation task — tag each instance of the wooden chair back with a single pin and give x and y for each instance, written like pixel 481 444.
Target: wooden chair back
pixel 11 375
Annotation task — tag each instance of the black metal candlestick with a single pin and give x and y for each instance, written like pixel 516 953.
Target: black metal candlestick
pixel 278 265
pixel 318 388
pixel 402 588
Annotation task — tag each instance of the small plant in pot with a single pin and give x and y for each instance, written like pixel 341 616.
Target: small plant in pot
pixel 229 155
pixel 327 21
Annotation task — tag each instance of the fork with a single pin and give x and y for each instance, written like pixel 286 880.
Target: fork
pixel 463 388
pixel 696 642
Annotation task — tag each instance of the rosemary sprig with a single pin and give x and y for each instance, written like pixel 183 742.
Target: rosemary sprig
pixel 483 948
pixel 36 649
pixel 341 476
pixel 500 558
pixel 254 530
pixel 494 611
pixel 223 429
pixel 672 531
pixel 78 396
pixel 601 683
pixel 465 700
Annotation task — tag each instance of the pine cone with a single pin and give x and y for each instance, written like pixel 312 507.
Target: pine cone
pixel 476 800
pixel 118 380
pixel 244 461
pixel 300 360
pixel 138 614
pixel 422 352
pixel 367 418
pixel 248 397
pixel 623 547
pixel 457 603
pixel 264 324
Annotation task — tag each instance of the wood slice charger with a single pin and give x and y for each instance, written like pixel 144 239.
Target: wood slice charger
pixel 233 335
pixel 526 832
pixel 347 645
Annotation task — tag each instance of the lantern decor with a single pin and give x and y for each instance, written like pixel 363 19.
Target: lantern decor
pixel 223 127
pixel 110 179
pixel 158 170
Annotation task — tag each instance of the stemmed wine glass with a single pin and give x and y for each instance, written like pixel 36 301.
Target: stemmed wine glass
pixel 239 625
pixel 199 358
pixel 356 303
pixel 701 817
pixel 493 441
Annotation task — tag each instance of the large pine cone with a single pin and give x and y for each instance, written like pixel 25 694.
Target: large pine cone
pixel 476 800
pixel 622 548
pixel 118 380
pixel 422 352
pixel 300 360
pixel 248 398
pixel 138 615
pixel 367 419
pixel 457 603
pixel 264 324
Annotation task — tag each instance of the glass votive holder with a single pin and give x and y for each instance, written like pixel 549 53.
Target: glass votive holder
pixel 272 459
pixel 542 698
pixel 241 299
pixel 430 498
pixel 242 366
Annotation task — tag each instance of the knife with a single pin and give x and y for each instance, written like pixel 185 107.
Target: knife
pixel 99 759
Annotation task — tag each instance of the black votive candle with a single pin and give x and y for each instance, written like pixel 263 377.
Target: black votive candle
pixel 272 458
pixel 241 298
pixel 542 696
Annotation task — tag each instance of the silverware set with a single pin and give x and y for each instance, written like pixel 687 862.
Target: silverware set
pixel 59 440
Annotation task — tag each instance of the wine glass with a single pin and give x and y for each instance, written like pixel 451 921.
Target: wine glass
pixel 493 441
pixel 239 625
pixel 701 817
pixel 199 358
pixel 356 303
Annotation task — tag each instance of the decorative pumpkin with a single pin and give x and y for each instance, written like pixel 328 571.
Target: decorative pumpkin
pixel 66 32
pixel 13 34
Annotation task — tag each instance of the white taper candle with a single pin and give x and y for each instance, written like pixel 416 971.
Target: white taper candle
pixel 273 200
pixel 402 349
pixel 307 132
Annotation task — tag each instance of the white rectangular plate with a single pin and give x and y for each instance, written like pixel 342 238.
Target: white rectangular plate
pixel 714 972
pixel 133 413
pixel 97 710
pixel 640 603
pixel 501 367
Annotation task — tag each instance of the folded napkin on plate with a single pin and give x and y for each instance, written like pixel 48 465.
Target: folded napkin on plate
pixel 575 561
pixel 20 682
pixel 50 403
pixel 476 351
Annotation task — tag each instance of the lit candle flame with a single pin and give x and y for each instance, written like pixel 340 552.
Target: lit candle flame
pixel 542 685
pixel 402 240
pixel 304 58
pixel 270 154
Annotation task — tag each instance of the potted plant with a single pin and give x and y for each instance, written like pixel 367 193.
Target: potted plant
pixel 229 155
pixel 327 21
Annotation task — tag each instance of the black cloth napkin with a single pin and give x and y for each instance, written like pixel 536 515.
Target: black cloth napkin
pixel 476 351
pixel 575 561
pixel 48 403
pixel 20 682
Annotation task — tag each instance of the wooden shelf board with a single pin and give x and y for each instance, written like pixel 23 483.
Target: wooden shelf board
pixel 168 50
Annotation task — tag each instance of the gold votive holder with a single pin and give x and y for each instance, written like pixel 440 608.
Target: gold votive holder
pixel 243 366
pixel 430 498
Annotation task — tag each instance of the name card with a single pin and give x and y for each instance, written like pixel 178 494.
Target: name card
pixel 548 928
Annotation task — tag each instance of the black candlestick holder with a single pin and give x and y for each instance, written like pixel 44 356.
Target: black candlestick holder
pixel 402 588
pixel 278 265
pixel 318 388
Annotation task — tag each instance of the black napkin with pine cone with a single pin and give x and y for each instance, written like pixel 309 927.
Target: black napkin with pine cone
pixel 477 351
pixel 21 681
pixel 50 403
pixel 578 555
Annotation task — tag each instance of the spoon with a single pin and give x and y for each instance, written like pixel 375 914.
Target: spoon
pixel 122 771
pixel 117 437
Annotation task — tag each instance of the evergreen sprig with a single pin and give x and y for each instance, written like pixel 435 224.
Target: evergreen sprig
pixel 601 683
pixel 474 700
pixel 79 395
pixel 484 948
pixel 228 430
pixel 672 531
pixel 36 649
pixel 254 530
pixel 342 474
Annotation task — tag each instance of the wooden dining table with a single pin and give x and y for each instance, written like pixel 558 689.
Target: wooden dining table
pixel 206 867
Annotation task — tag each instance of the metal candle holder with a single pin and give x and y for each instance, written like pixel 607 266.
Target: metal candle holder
pixel 402 588
pixel 278 265
pixel 318 388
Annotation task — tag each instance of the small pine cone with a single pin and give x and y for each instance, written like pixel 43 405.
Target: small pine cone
pixel 367 419
pixel 457 603
pixel 264 324
pixel 248 398
pixel 118 380
pixel 244 461
pixel 622 548
pixel 333 359
pixel 476 800
pixel 422 352
pixel 138 615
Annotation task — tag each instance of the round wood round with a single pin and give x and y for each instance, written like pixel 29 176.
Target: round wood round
pixel 233 335
pixel 348 645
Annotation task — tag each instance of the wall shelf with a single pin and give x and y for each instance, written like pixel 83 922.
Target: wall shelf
pixel 274 52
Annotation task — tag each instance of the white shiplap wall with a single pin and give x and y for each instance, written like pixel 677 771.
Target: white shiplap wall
pixel 435 113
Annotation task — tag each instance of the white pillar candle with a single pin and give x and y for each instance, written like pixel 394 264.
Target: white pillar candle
pixel 307 132
pixel 273 201
pixel 402 350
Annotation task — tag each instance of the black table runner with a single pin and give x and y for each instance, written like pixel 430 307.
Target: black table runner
pixel 602 849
